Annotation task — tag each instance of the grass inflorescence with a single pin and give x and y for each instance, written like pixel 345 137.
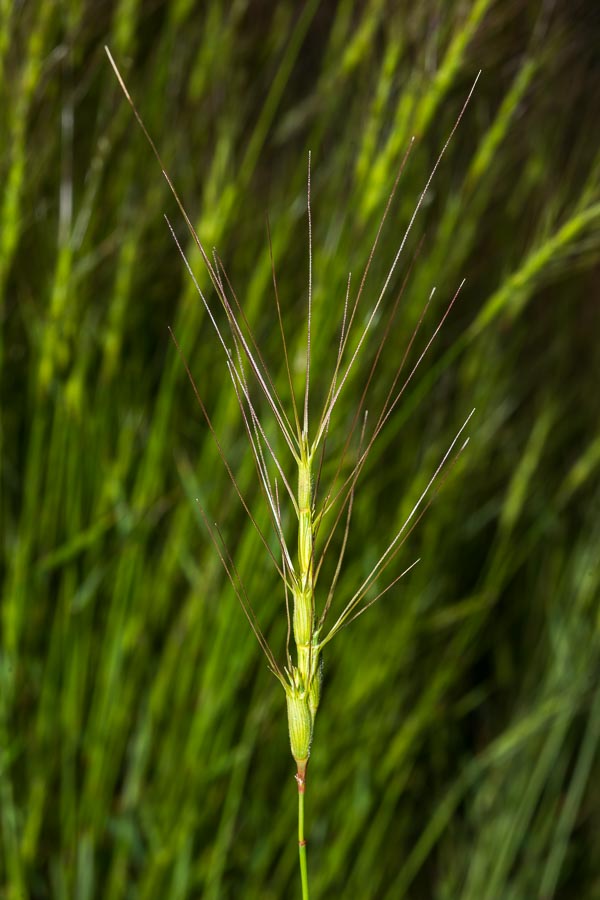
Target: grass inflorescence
pixel 301 675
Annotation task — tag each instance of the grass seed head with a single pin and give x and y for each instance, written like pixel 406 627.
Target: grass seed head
pixel 303 684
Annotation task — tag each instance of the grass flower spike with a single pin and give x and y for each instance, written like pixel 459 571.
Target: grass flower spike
pixel 319 513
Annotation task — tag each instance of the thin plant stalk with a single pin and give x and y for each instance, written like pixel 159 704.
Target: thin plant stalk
pixel 302 840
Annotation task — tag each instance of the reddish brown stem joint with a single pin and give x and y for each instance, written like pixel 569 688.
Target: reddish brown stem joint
pixel 300 775
pixel 301 780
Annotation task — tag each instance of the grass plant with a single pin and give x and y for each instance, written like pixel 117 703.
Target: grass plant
pixel 141 747
pixel 301 675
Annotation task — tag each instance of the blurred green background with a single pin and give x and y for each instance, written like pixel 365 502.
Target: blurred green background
pixel 143 743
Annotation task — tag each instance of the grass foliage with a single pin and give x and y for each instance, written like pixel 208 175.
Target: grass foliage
pixel 143 743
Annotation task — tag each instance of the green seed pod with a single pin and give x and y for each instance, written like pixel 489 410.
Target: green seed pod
pixel 303 617
pixel 305 524
pixel 300 726
pixel 304 485
pixel 305 544
pixel 303 631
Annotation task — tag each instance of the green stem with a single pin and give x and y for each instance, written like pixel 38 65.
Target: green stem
pixel 301 839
